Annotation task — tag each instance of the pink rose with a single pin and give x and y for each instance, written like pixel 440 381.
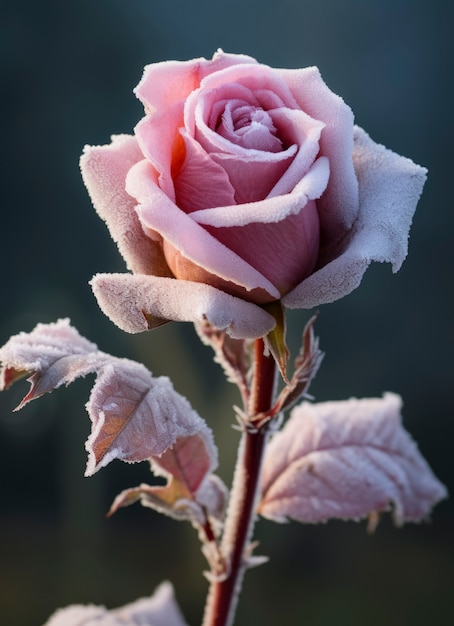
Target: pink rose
pixel 242 185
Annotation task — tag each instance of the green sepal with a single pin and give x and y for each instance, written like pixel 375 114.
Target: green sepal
pixel 275 339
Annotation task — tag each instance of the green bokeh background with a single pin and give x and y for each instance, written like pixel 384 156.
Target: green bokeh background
pixel 68 70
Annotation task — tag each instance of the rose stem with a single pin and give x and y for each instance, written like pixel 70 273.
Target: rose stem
pixel 223 594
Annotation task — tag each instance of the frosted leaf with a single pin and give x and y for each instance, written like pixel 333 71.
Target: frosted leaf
pixel 160 609
pixel 347 460
pixel 189 460
pixel 134 415
pixel 191 492
pixel 55 354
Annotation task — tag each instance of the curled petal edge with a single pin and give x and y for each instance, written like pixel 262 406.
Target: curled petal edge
pixel 389 190
pixel 136 303
pixel 104 170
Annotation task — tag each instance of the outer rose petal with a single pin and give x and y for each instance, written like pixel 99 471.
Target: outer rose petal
pixel 159 139
pixel 339 206
pixel 104 170
pixel 134 303
pixel 166 83
pixel 380 232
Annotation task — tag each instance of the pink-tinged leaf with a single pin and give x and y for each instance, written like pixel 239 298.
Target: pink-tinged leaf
pixel 135 416
pixel 347 460
pixel 160 609
pixel 54 354
pixel 188 467
pixel 191 492
pixel 188 461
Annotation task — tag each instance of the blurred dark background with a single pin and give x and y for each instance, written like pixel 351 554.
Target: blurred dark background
pixel 68 70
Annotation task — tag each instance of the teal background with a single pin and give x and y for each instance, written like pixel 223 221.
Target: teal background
pixel 68 70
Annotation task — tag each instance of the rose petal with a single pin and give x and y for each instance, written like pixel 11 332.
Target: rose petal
pixel 204 107
pixel 258 175
pixel 163 89
pixel 245 82
pixel 201 182
pixel 273 250
pixel 254 77
pixel 298 128
pixel 253 172
pixel 128 299
pixel 249 127
pixel 160 141
pixel 104 170
pixel 339 206
pixel 273 209
pixel 254 176
pixel 380 232
pixel 182 233
pixel 166 83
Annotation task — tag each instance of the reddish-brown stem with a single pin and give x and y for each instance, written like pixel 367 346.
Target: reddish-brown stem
pixel 222 597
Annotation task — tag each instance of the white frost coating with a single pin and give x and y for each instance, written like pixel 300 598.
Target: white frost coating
pixel 347 460
pixel 148 418
pixel 45 345
pixel 339 204
pixel 55 354
pixel 160 609
pixel 104 170
pixel 134 415
pixel 389 189
pixel 126 298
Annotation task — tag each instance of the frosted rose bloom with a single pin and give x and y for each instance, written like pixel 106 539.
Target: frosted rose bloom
pixel 243 185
